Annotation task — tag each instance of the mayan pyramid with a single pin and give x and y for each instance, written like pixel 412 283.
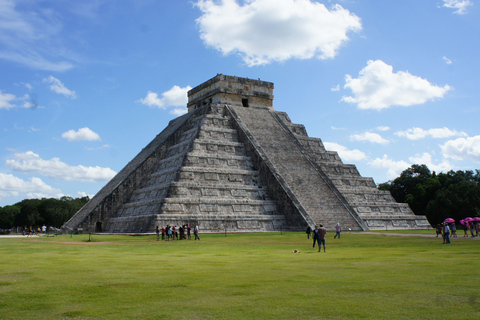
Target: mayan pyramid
pixel 234 163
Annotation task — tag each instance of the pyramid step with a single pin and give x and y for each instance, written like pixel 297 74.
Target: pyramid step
pixel 215 160
pixel 230 191
pixel 219 206
pixel 219 175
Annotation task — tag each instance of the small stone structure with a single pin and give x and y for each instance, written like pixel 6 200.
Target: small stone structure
pixel 233 162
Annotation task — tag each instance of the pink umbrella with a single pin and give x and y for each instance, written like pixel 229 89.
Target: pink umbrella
pixel 449 220
pixel 462 221
pixel 468 219
pixel 476 219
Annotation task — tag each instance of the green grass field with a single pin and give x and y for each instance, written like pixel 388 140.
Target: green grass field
pixel 240 276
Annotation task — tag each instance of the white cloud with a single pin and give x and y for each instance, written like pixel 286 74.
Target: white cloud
pixel 336 88
pixel 419 133
pixel 344 153
pixel 394 168
pixel 6 100
pixel 10 101
pixel 179 111
pixel 447 61
pixel 31 37
pixel 81 134
pixel 263 31
pixel 58 87
pixel 34 188
pixel 175 97
pixel 460 6
pixel 370 137
pixel 462 148
pixel 56 169
pixel 378 87
pixel 383 128
pixel 426 158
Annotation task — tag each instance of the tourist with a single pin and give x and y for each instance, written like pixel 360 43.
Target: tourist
pixel 472 228
pixel 439 230
pixel 337 230
pixel 163 232
pixel 446 233
pixel 188 232
pixel 157 231
pixel 453 229
pixel 315 236
pixel 465 229
pixel 169 232
pixel 195 232
pixel 477 228
pixel 309 230
pixel 44 229
pixel 321 238
pixel 180 230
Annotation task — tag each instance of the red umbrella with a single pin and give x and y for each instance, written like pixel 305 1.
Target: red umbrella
pixel 449 220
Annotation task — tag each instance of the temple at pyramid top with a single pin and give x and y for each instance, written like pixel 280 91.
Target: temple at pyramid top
pixel 231 90
pixel 234 163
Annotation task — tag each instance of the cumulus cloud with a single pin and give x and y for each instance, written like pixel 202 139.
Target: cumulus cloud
pixel 438 133
pixel 58 87
pixel 394 168
pixel 175 97
pixel 30 162
pixel 462 148
pixel 262 31
pixel 344 152
pixel 426 158
pixel 378 87
pixel 80 135
pixel 34 188
pixel 447 61
pixel 460 6
pixel 370 137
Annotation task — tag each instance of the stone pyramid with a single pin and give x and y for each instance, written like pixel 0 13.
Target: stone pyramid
pixel 234 163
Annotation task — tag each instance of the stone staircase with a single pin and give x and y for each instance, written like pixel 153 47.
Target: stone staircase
pixel 376 207
pixel 315 195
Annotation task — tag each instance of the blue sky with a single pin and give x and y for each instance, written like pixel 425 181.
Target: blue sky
pixel 85 85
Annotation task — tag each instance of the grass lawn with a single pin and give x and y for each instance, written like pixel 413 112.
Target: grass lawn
pixel 240 276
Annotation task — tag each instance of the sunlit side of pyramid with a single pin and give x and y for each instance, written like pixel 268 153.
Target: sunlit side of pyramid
pixel 234 163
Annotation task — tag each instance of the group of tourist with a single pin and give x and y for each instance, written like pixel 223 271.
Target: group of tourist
pixel 447 230
pixel 319 235
pixel 32 232
pixel 176 233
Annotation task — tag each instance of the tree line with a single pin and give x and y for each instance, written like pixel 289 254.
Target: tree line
pixel 36 212
pixel 455 194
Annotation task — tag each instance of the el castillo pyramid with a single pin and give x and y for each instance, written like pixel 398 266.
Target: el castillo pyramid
pixel 234 163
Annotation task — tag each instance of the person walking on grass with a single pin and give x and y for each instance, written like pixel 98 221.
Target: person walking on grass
pixel 446 233
pixel 315 236
pixel 465 229
pixel 157 231
pixel 195 232
pixel 321 238
pixel 337 230
pixel 309 230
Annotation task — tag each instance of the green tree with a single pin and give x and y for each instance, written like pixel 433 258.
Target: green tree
pixel 7 216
